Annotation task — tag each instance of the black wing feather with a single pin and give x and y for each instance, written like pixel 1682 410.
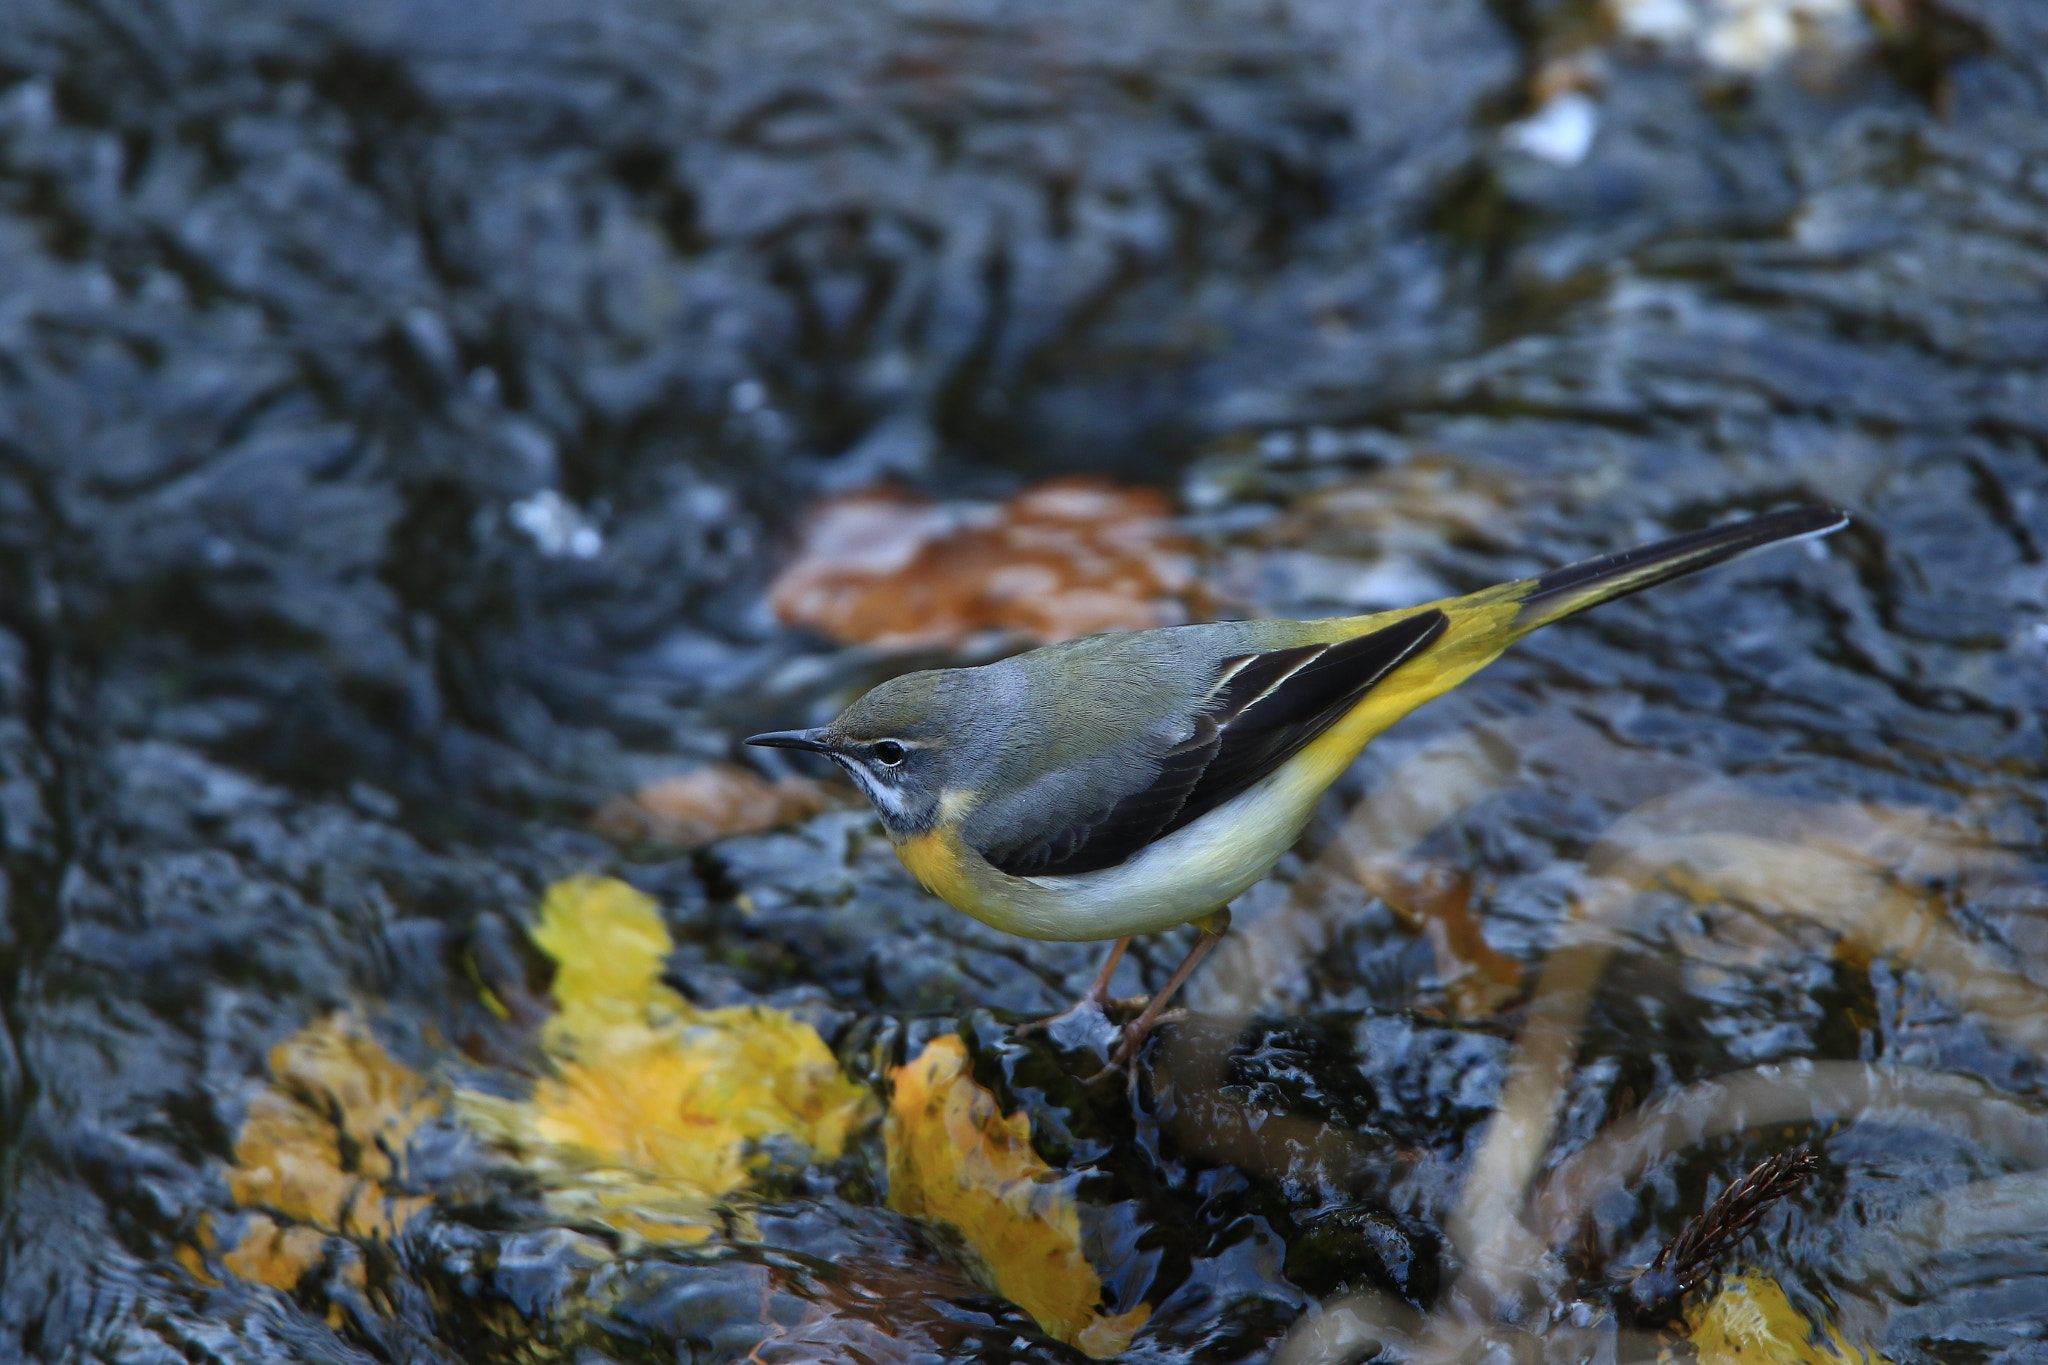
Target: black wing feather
pixel 1264 710
pixel 1080 845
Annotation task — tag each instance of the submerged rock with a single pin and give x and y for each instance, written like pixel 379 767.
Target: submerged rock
pixel 404 410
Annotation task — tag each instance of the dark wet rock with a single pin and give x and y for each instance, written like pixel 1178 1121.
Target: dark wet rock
pixel 401 409
pixel 1347 1248
pixel 427 399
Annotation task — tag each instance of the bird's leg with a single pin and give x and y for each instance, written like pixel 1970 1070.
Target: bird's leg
pixel 1096 995
pixel 1136 1031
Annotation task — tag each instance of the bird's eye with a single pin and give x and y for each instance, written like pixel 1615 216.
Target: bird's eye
pixel 889 753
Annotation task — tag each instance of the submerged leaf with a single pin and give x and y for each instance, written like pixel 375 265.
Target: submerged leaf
pixel 1751 1322
pixel 317 1149
pixel 695 808
pixel 1068 557
pixel 1436 901
pixel 656 1111
pixel 274 1254
pixel 955 1159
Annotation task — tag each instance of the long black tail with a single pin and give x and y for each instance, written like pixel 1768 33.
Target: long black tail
pixel 1561 592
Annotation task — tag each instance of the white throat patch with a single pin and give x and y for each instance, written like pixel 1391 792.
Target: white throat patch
pixel 884 796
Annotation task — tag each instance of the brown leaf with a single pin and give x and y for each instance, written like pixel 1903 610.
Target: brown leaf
pixel 693 809
pixel 1436 901
pixel 1066 558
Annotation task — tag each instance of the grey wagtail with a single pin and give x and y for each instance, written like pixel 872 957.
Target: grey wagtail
pixel 1124 784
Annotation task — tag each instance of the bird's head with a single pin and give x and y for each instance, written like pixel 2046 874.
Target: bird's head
pixel 893 744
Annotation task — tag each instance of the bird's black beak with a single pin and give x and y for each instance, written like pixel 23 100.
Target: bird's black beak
pixel 791 739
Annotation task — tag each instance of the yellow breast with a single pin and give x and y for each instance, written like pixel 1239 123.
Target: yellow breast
pixel 939 861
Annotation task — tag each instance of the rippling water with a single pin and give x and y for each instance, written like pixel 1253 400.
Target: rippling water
pixel 405 407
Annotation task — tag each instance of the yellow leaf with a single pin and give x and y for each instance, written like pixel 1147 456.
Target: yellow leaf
pixel 955 1159
pixel 277 1256
pixel 1750 1322
pixel 655 1109
pixel 317 1148
pixel 288 1158
pixel 609 944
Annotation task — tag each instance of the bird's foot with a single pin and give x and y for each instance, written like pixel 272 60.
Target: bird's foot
pixel 1091 1003
pixel 1089 1026
pixel 1051 1022
pixel 1135 1032
pixel 1132 1040
pixel 1095 1000
pixel 1103 1006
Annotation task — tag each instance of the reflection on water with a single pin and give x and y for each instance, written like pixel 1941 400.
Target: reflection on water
pixel 432 435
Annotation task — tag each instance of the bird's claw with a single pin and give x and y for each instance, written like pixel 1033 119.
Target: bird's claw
pixel 1107 1006
pixel 1134 1033
pixel 1131 1041
pixel 1090 1003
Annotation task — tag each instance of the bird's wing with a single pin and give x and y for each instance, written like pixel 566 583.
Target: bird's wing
pixel 1262 710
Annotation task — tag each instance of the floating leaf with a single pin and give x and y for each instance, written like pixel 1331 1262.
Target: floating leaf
pixel 1751 1322
pixel 657 1111
pixel 955 1159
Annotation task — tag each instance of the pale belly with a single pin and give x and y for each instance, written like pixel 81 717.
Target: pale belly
pixel 1192 872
